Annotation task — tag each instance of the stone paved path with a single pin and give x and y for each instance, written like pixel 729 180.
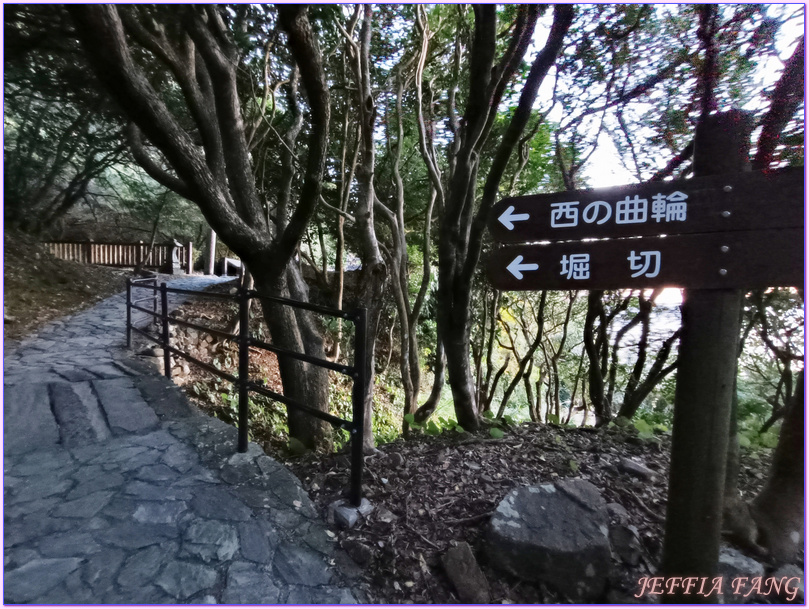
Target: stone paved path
pixel 117 490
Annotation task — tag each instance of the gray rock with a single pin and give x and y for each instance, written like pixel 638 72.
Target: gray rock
pixel 792 583
pixel 183 579
pixel 365 507
pixel 28 422
pixel 99 568
pixel 124 407
pixel 85 507
pixel 133 535
pixel 209 540
pixel 464 572
pixel 385 515
pixel 156 473
pixel 556 534
pixel 36 578
pixel 255 543
pixel 733 564
pixel 142 567
pixel 251 584
pixel 298 565
pixel 625 542
pixel 618 513
pixel 165 512
pixel 66 545
pixel 344 516
pixel 633 468
pixel 219 503
pixel 326 595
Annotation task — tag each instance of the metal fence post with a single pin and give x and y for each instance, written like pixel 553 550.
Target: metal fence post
pixel 358 403
pixel 128 312
pixel 154 299
pixel 244 368
pixel 164 300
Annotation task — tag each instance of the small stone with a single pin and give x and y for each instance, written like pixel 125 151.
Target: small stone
pixel 633 468
pixel 385 515
pixel 345 516
pixel 365 508
pixel 464 572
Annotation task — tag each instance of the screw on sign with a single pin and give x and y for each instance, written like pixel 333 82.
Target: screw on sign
pixel 714 232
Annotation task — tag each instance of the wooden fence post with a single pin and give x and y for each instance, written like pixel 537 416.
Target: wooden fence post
pixel 705 381
pixel 189 257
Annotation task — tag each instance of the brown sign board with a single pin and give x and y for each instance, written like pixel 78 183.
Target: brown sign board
pixel 737 260
pixel 737 202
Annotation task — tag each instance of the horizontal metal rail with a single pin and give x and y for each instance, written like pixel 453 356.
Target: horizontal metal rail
pixel 146 334
pixel 203 294
pixel 302 305
pixel 143 299
pixel 325 416
pixel 147 311
pixel 204 365
pixel 309 359
pixel 243 382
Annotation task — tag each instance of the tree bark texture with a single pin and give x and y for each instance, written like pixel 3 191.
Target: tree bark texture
pixel 218 175
pixel 462 227
pixel 779 508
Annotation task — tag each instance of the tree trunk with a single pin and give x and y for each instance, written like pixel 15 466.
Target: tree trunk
pixel 778 510
pixel 292 329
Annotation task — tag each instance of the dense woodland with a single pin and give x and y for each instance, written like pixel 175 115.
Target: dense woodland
pixel 350 155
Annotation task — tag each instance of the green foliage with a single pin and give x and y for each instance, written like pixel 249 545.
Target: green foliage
pixel 496 433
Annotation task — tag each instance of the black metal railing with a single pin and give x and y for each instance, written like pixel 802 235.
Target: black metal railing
pixel 356 372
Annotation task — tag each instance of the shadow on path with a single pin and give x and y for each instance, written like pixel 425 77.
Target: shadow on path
pixel 118 490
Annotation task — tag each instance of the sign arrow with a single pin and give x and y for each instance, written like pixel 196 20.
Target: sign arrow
pixel 516 269
pixel 507 218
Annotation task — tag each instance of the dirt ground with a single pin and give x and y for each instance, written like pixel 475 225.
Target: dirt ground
pixel 38 288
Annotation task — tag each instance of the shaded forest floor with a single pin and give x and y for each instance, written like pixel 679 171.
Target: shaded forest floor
pixel 38 288
pixel 429 492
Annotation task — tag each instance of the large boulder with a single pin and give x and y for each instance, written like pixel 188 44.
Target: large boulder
pixel 556 534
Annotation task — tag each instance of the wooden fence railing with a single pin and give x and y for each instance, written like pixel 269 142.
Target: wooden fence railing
pixel 166 257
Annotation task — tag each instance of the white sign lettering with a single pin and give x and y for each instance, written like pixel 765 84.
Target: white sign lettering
pixel 576 266
pixel 664 208
pixel 564 214
pixel 641 263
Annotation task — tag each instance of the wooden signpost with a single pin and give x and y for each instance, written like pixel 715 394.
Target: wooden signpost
pixel 725 230
pixel 742 230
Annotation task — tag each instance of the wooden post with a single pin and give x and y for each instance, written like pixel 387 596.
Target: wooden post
pixel 702 402
pixel 189 257
pixel 211 253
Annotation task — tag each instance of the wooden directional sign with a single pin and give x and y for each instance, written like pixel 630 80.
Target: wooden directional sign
pixel 742 259
pixel 743 201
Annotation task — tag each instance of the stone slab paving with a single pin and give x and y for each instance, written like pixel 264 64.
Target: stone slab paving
pixel 118 490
